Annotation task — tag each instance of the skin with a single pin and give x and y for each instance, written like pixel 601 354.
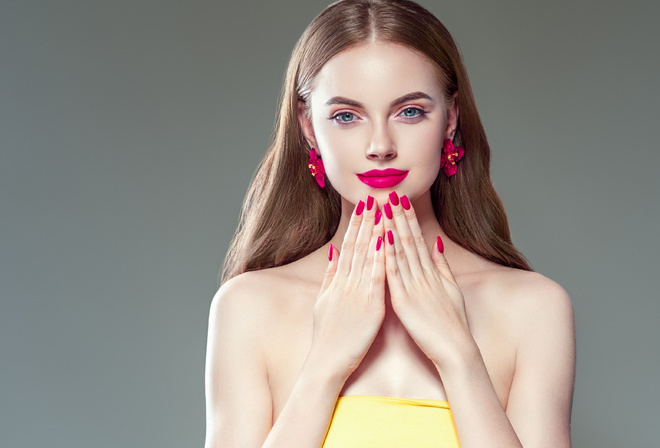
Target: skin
pixel 403 321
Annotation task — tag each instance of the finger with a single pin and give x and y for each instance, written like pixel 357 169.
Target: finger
pixel 377 282
pixel 422 250
pixel 440 261
pixel 361 254
pixel 346 257
pixel 375 245
pixel 398 255
pixel 410 244
pixel 331 270
pixel 392 265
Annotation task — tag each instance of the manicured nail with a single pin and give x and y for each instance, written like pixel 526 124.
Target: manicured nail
pixel 360 208
pixel 330 252
pixel 379 243
pixel 370 202
pixel 405 203
pixel 378 215
pixel 390 237
pixel 394 198
pixel 388 211
pixel 441 247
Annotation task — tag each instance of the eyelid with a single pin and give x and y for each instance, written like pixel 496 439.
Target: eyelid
pixel 343 111
pixel 422 112
pixel 334 115
pixel 412 106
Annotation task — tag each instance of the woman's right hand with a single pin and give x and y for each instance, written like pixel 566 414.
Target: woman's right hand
pixel 350 307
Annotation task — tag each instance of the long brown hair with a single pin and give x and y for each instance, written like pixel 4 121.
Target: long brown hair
pixel 286 216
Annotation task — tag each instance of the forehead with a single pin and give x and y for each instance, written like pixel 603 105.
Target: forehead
pixel 376 71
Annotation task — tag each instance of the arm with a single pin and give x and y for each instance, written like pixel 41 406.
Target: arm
pixel 541 395
pixel 238 400
pixel 430 305
pixel 539 406
pixel 347 315
pixel 239 403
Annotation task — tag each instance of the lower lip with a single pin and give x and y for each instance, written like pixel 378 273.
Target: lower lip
pixel 384 181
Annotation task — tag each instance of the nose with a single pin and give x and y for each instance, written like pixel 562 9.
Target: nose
pixel 381 146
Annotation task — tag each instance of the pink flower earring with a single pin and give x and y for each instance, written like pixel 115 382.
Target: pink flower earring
pixel 315 166
pixel 450 155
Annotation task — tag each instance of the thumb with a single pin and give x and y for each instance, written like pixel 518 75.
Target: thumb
pixel 438 256
pixel 333 257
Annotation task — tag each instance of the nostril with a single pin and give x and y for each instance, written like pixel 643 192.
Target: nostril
pixel 381 155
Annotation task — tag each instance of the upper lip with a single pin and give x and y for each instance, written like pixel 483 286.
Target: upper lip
pixel 383 173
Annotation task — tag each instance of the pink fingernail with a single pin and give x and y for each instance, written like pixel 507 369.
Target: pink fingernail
pixel 390 237
pixel 441 247
pixel 379 243
pixel 378 215
pixel 405 203
pixel 388 211
pixel 370 202
pixel 360 208
pixel 330 252
pixel 394 198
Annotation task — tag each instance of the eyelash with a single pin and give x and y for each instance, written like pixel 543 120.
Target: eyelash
pixel 420 114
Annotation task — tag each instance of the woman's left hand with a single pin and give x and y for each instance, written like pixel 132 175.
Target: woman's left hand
pixel 423 291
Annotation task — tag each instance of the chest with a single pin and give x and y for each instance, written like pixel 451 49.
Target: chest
pixel 394 366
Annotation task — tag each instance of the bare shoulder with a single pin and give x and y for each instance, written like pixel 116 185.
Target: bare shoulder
pixel 538 315
pixel 520 302
pixel 261 299
pixel 249 289
pixel 519 291
pixel 243 314
pixel 253 295
pixel 531 306
pixel 534 296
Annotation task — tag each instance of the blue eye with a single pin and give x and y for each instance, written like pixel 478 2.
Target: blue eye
pixel 344 117
pixel 412 112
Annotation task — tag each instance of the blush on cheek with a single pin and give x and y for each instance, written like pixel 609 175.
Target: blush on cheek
pixel 424 134
pixel 343 143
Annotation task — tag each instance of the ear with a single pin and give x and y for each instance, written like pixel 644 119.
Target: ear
pixel 452 117
pixel 305 120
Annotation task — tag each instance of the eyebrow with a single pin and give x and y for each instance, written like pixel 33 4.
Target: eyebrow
pixel 396 102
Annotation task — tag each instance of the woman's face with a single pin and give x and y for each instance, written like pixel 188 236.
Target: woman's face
pixel 378 107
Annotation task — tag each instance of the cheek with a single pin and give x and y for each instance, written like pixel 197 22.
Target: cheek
pixel 424 141
pixel 341 140
pixel 339 148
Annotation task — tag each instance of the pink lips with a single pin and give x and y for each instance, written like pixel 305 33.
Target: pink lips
pixel 382 178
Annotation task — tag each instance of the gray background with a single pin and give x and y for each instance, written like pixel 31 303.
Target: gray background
pixel 129 131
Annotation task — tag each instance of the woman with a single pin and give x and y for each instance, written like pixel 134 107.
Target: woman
pixel 372 295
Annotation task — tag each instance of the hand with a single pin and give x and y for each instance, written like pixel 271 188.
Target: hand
pixel 424 293
pixel 350 306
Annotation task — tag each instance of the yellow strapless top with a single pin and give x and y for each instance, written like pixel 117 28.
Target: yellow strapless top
pixel 381 422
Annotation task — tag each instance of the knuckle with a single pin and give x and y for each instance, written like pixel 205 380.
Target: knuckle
pixel 430 271
pixel 442 264
pixel 408 240
pixel 360 247
pixel 378 277
pixel 356 220
pixel 347 246
pixel 392 269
